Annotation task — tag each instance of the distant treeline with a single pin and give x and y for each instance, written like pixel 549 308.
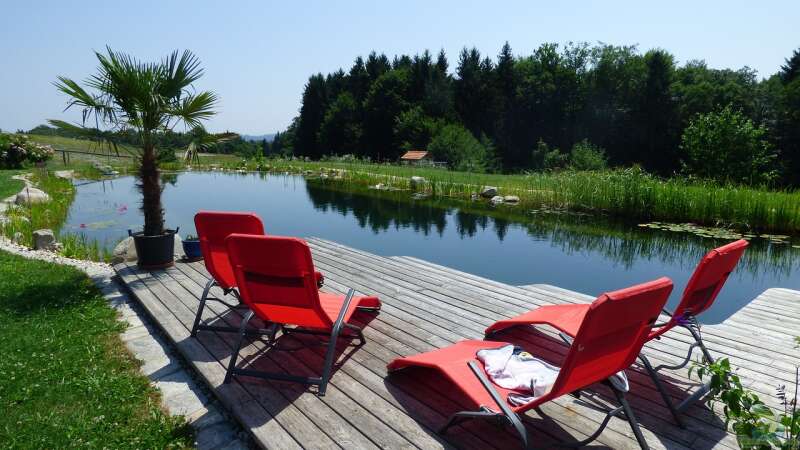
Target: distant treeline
pixel 523 111
pixel 169 141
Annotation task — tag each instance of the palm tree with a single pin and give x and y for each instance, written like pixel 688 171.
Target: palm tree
pixel 149 98
pixel 204 141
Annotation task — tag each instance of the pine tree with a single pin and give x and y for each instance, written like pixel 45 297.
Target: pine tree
pixel 791 70
pixel 312 113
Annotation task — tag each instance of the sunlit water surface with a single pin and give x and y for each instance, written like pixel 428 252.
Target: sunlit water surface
pixel 584 254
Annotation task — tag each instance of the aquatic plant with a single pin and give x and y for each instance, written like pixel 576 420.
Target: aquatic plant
pixel 25 219
pixel 629 193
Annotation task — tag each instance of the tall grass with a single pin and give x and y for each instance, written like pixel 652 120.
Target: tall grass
pixel 628 193
pixel 25 219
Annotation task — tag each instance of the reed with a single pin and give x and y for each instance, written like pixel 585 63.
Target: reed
pixel 629 193
pixel 25 219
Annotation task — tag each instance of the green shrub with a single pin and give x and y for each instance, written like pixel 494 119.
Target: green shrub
pixel 726 146
pixel 458 146
pixel 544 157
pixel 16 149
pixel 585 156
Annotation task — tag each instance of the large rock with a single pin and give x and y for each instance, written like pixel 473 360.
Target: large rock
pixel 511 199
pixel 417 181
pixel 488 191
pixel 31 195
pixel 44 240
pixel 125 251
pixel 496 200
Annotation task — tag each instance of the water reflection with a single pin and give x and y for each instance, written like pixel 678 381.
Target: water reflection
pixel 622 244
pixel 583 253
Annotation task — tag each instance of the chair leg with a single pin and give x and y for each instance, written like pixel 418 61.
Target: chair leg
pixel 235 354
pixel 699 340
pixel 660 387
pixel 626 407
pixel 326 370
pixel 203 298
pixel 359 333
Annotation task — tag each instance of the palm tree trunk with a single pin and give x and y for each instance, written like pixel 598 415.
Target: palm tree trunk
pixel 151 193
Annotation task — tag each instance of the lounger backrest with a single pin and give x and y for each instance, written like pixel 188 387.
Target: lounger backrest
pixel 709 277
pixel 612 334
pixel 212 229
pixel 275 277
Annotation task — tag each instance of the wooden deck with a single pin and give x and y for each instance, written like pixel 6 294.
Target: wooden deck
pixel 426 306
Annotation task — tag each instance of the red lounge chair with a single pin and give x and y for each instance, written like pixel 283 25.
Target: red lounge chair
pixel 699 294
pixel 608 340
pixel 212 229
pixel 282 289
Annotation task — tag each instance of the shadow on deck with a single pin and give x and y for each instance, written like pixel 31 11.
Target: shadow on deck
pixel 426 306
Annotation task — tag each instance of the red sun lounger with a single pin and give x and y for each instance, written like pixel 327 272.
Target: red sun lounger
pixel 699 294
pixel 610 337
pixel 282 288
pixel 212 229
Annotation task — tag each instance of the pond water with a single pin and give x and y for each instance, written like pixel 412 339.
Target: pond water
pixel 581 253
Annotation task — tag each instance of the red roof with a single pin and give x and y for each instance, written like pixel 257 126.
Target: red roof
pixel 415 155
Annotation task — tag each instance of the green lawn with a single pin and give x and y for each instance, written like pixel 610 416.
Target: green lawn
pixel 66 379
pixel 9 187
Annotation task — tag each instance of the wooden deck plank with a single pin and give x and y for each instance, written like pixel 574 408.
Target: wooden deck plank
pixel 339 258
pixel 251 415
pixel 427 306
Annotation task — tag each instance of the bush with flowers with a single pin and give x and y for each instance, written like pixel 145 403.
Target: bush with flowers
pixel 17 149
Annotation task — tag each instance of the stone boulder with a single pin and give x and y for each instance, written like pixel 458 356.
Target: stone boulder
pixel 488 191
pixel 31 195
pixel 125 251
pixel 511 199
pixel 496 200
pixel 417 181
pixel 44 239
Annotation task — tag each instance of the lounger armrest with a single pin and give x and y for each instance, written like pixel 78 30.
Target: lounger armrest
pixel 510 415
pixel 337 326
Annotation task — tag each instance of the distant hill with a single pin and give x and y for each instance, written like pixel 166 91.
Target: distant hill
pixel 258 138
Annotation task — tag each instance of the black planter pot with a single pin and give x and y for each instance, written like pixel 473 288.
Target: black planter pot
pixel 155 252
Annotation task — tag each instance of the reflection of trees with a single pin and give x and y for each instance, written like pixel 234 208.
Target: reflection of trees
pixel 624 245
pixel 170 178
pixel 380 213
pixel 619 243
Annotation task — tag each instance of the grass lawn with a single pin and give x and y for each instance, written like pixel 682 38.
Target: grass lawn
pixel 66 379
pixel 9 187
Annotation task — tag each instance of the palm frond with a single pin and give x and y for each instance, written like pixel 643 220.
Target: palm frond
pixel 194 108
pixel 102 138
pixel 179 73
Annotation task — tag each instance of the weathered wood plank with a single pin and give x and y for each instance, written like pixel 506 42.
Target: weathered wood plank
pixel 269 432
pixel 427 306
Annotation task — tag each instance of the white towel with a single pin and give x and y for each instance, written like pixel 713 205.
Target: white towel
pixel 511 367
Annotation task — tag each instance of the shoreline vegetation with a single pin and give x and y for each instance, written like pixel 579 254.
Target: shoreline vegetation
pixel 627 193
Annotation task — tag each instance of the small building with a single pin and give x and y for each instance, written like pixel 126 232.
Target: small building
pixel 417 158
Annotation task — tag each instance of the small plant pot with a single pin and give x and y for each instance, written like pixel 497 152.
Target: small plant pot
pixel 191 247
pixel 155 252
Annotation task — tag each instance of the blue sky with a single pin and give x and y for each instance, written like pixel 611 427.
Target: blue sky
pixel 258 54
